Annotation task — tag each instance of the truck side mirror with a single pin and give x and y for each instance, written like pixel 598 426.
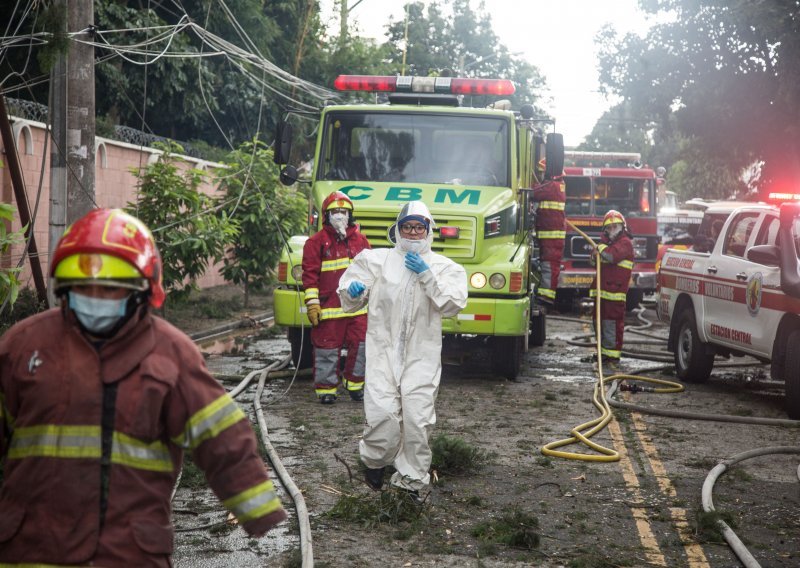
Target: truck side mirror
pixel 288 175
pixel 554 160
pixel 282 147
pixel 768 255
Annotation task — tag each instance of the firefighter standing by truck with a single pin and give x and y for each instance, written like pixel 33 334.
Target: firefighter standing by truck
pixel 98 401
pixel 326 255
pixel 615 252
pixel 550 198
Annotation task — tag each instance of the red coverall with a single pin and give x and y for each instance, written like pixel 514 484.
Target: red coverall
pixel 93 439
pixel 325 258
pixel 550 230
pixel 615 273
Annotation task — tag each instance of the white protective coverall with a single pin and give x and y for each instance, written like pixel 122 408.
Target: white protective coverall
pixel 403 349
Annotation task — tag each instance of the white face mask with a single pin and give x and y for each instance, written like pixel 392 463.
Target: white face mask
pixel 339 222
pixel 412 245
pixel 614 231
pixel 97 315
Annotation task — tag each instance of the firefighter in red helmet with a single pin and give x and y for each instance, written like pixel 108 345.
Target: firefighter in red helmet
pixel 615 252
pixel 326 255
pixel 550 198
pixel 99 399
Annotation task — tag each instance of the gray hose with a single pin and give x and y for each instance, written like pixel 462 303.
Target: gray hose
pixel 306 549
pixel 708 504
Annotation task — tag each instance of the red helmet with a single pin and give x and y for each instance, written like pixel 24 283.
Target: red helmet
pixel 613 216
pixel 109 247
pixel 336 200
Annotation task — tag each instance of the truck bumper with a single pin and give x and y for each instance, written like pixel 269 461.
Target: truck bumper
pixel 582 280
pixel 482 316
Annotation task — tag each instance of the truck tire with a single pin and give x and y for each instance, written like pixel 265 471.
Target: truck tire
pixel 301 360
pixel 538 330
pixel 792 377
pixel 507 355
pixel 693 363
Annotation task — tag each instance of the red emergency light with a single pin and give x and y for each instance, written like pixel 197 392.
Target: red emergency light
pixel 448 232
pixel 406 84
pixel 781 196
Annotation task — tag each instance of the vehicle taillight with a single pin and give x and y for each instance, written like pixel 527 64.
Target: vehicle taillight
pixel 407 84
pixel 448 232
pixel 282 271
pixel 515 282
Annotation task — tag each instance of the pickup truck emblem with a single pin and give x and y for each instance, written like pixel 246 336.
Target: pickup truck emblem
pixel 754 287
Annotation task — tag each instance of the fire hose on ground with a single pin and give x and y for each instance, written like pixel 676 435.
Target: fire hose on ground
pixel 601 400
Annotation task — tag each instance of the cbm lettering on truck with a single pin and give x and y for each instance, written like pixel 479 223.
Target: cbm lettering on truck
pixel 472 166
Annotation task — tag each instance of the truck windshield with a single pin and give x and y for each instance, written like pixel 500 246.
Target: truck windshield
pixel 629 196
pixel 415 148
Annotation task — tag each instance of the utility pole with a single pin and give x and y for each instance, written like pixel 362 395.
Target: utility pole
pixel 72 157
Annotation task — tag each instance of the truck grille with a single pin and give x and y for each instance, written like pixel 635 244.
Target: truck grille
pixel 374 226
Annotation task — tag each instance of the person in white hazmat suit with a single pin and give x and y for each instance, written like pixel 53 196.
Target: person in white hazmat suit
pixel 408 289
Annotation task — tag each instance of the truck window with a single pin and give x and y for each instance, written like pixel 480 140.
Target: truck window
pixel 739 234
pixel 631 197
pixel 415 148
pixel 768 234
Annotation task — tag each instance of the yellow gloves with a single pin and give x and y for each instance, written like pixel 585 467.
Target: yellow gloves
pixel 313 311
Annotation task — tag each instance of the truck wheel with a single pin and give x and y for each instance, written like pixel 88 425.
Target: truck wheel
pixel 692 363
pixel 538 330
pixel 507 355
pixel 792 377
pixel 300 360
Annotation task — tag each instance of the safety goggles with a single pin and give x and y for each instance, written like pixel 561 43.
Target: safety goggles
pixel 409 229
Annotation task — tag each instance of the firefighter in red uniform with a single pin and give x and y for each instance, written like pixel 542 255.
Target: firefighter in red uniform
pixel 616 255
pixel 550 231
pixel 326 255
pixel 98 401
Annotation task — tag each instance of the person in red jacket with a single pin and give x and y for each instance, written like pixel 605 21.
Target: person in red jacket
pixel 550 231
pixel 616 257
pixel 326 255
pixel 99 399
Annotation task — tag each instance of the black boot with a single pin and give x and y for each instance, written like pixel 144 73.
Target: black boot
pixel 374 477
pixel 358 395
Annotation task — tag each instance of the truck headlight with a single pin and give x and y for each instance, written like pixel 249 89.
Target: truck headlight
pixel 497 281
pixel 477 280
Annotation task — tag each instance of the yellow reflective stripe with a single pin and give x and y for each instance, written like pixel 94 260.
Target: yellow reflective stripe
pixel 208 422
pixel 333 313
pixel 546 292
pixel 311 294
pixel 610 352
pixel 320 392
pixel 559 205
pixel 601 247
pixel 49 440
pixel 254 503
pixel 612 296
pixel 351 386
pixel 140 455
pixel 551 234
pixel 338 264
pixel 625 264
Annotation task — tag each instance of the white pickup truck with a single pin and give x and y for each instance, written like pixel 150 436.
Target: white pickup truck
pixel 743 297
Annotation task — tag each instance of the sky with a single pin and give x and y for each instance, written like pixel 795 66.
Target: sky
pixel 557 36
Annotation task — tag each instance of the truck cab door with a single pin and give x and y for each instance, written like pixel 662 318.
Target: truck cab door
pixel 732 285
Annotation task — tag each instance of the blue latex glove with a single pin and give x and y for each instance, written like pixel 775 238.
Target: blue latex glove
pixel 415 263
pixel 356 288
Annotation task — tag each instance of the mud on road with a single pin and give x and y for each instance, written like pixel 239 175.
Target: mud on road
pixel 644 510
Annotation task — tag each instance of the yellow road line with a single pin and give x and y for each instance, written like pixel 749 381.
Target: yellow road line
pixel 646 536
pixel 694 552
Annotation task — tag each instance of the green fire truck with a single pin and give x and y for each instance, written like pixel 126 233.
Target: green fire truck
pixel 473 168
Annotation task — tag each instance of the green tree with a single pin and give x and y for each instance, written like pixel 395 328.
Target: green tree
pixel 188 231
pixel 265 211
pixel 9 282
pixel 726 70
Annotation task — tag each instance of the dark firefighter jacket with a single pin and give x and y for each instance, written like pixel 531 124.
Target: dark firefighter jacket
pixel 325 258
pixel 93 440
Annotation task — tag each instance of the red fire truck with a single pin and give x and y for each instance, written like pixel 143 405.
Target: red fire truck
pixel 595 183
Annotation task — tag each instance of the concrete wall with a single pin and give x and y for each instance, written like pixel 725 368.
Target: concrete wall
pixel 115 186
